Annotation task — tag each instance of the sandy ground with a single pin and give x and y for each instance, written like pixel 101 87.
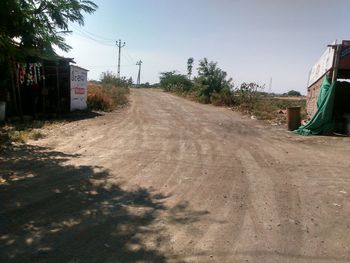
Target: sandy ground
pixel 170 180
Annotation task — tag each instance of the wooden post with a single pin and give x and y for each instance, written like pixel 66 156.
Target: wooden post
pixel 336 62
pixel 19 97
pixel 13 83
pixel 58 87
pixel 43 90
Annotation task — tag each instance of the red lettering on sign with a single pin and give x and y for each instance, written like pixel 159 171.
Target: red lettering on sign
pixel 79 91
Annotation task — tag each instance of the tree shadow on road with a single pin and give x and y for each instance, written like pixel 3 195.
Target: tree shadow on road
pixel 51 211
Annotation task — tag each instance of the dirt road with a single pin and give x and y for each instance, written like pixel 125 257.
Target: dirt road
pixel 170 180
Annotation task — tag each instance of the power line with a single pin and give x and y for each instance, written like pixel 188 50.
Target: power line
pixel 93 36
pixel 128 54
pixel 108 42
pixel 128 59
pixel 87 35
pixel 108 66
pixel 97 36
pixel 93 39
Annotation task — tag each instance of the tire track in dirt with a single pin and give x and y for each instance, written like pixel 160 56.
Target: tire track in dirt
pixel 197 195
pixel 282 202
pixel 234 189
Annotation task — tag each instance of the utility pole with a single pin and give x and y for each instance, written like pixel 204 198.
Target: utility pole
pixel 120 46
pixel 270 85
pixel 139 75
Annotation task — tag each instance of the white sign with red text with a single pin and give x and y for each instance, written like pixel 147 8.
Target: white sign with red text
pixel 78 88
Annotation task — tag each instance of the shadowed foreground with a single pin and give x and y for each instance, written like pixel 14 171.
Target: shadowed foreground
pixel 64 213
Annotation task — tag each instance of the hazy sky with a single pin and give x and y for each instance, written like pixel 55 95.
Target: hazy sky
pixel 250 40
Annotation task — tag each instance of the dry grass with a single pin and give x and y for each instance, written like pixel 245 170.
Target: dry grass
pixel 274 109
pixel 22 131
pixel 25 135
pixel 98 99
pixel 106 97
pixel 118 94
pixel 293 98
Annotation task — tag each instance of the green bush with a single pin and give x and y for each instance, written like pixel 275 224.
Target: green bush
pixel 173 82
pixel 109 78
pixel 293 93
pixel 223 98
pixel 211 79
pixel 248 93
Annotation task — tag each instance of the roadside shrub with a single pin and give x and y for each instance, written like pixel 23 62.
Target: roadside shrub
pixel 267 108
pixel 117 94
pixel 98 99
pixel 36 135
pixel 203 99
pixel 109 78
pixel 173 82
pixel 110 94
pixel 223 98
pixel 20 134
pixel 248 93
pixel 292 93
pixel 106 97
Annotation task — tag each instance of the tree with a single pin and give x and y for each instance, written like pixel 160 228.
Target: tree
pixel 171 81
pixel 32 28
pixel 40 24
pixel 211 79
pixel 189 67
pixel 293 93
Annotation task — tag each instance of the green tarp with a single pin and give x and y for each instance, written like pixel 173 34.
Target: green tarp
pixel 322 122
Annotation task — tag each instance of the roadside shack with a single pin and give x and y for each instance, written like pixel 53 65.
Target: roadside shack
pixel 44 85
pixel 328 91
